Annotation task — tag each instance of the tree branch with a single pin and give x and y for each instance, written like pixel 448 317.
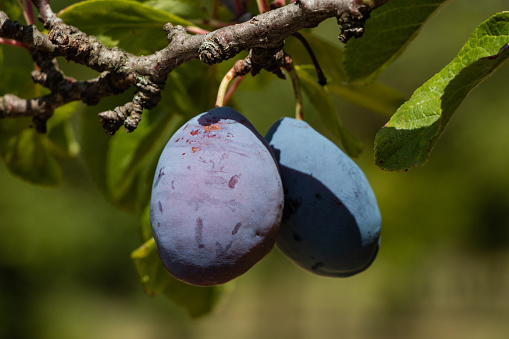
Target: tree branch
pixel 263 35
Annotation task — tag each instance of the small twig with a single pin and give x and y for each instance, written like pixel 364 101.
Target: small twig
pixel 13 43
pixel 29 12
pixel 216 23
pixel 263 35
pixel 196 30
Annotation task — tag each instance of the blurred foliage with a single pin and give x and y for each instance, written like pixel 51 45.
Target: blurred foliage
pixel 388 32
pixel 443 267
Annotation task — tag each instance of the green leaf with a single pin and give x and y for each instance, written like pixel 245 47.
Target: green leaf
pixel 2 75
pixel 411 133
pixel 373 96
pixel 153 276
pixel 11 8
pixel 197 301
pixel 26 154
pixel 130 25
pixel 132 159
pixel 388 31
pixel 30 155
pixel 61 136
pixel 187 9
pixel 146 230
pixel 320 99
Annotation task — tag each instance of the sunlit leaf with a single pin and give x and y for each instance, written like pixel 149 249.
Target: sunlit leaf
pixel 388 31
pixel 413 130
pixel 187 9
pixel 197 301
pixel 153 276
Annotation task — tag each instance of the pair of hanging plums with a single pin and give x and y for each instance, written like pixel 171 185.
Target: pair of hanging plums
pixel 223 195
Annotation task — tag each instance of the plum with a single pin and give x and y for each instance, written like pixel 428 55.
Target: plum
pixel 217 199
pixel 331 222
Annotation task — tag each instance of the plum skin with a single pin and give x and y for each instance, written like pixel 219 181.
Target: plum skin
pixel 331 223
pixel 217 199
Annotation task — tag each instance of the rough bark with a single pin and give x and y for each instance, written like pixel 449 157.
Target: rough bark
pixel 263 36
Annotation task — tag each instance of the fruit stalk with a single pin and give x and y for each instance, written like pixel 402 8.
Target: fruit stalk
pixel 297 89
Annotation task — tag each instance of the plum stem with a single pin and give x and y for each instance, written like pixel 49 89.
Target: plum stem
pixel 241 68
pixel 221 92
pixel 297 88
pixel 232 88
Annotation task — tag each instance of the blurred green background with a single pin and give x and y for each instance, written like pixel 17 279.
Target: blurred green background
pixel 442 271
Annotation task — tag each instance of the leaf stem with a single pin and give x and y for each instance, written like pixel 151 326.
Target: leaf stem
pixel 322 80
pixel 241 68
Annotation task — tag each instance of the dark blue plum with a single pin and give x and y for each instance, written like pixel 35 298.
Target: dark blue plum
pixel 217 199
pixel 331 221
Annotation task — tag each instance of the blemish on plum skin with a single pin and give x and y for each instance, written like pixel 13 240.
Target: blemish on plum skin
pixel 211 127
pixel 219 248
pixel 195 149
pixel 173 184
pixel 161 206
pixel 236 228
pixel 159 176
pixel 233 181
pixel 198 232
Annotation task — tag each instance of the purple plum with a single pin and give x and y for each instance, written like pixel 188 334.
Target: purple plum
pixel 217 199
pixel 331 221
